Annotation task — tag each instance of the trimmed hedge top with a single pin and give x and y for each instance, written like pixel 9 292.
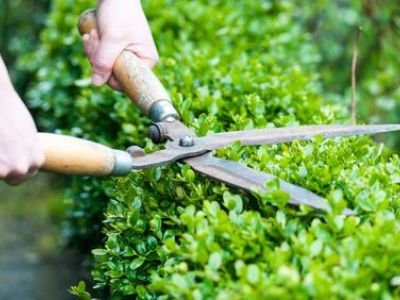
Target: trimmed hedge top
pixel 168 232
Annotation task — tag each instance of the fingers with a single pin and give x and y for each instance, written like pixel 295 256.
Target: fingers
pixel 103 53
pixel 113 82
pixel 20 172
pixel 17 178
pixel 89 44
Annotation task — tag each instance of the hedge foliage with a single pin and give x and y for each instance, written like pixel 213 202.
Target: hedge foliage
pixel 167 232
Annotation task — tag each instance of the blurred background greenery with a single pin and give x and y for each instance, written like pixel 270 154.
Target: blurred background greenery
pixel 34 263
pixel 20 24
pixel 332 26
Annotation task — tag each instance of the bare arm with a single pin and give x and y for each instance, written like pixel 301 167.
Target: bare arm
pixel 20 152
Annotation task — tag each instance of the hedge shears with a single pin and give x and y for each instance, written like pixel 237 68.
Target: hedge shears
pixel 70 155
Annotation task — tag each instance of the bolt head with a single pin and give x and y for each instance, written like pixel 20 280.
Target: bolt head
pixel 186 141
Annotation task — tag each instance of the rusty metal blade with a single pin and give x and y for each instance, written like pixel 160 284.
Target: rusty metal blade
pixel 240 176
pixel 163 157
pixel 174 151
pixel 288 134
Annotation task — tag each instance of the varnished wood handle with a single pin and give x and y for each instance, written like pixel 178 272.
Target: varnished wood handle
pixel 137 80
pixel 74 156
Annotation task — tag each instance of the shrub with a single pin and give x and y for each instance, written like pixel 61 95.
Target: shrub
pixel 170 233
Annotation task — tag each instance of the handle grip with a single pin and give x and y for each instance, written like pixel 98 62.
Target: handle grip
pixel 136 79
pixel 74 156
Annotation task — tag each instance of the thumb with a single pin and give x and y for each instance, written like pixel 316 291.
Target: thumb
pixel 103 60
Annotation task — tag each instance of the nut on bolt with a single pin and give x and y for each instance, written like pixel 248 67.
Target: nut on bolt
pixel 186 141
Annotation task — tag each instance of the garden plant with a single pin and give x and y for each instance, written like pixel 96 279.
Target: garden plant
pixel 168 233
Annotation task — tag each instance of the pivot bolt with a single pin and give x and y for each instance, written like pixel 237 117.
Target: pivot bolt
pixel 186 141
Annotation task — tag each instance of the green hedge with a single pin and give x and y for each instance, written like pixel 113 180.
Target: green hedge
pixel 167 232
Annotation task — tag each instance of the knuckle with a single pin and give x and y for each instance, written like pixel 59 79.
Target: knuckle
pixel 101 63
pixel 20 169
pixel 16 174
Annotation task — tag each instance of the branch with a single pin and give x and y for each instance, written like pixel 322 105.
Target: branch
pixel 353 78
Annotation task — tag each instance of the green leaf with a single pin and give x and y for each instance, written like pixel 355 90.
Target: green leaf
pixel 80 291
pixel 136 263
pixel 215 260
pixel 99 252
pixel 253 274
pixel 316 248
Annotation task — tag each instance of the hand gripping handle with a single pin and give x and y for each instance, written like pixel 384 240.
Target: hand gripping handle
pixel 74 156
pixel 136 79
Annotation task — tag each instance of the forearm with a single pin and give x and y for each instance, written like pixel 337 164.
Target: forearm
pixel 20 152
pixel 5 82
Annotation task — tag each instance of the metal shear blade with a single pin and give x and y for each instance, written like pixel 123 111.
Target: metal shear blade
pixel 174 151
pixel 240 176
pixel 183 145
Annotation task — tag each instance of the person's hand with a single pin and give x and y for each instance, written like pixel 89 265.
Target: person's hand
pixel 20 153
pixel 121 25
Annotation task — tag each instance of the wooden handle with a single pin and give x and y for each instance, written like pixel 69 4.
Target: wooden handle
pixel 137 80
pixel 74 156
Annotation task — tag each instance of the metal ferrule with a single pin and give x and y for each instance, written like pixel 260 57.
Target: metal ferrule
pixel 163 109
pixel 122 163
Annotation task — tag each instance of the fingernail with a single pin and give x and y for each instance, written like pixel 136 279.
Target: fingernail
pixel 97 79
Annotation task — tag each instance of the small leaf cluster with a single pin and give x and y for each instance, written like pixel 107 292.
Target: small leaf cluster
pixel 167 232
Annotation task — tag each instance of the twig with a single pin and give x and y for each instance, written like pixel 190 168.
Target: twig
pixel 353 78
